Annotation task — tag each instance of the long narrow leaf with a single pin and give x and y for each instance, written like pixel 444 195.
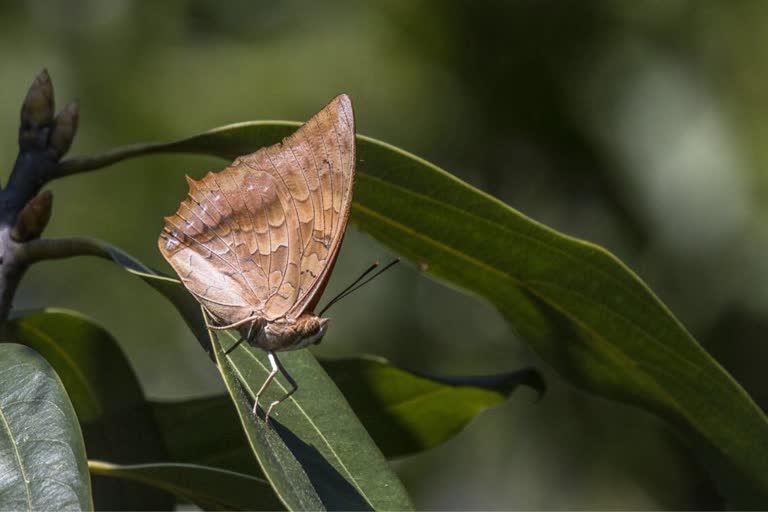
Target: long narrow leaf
pixel 404 413
pixel 367 383
pixel 317 426
pixel 285 474
pixel 209 488
pixel 577 305
pixel 375 480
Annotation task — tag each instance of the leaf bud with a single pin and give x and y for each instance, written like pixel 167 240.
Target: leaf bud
pixel 65 128
pixel 33 218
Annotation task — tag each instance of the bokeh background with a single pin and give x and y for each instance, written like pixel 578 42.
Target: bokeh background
pixel 638 125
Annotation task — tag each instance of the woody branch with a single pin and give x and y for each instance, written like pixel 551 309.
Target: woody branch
pixel 24 212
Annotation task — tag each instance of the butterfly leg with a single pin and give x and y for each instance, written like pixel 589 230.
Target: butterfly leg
pixel 290 380
pixel 252 318
pixel 248 337
pixel 273 362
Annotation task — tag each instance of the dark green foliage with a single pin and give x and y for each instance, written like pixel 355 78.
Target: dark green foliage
pixel 42 457
pixel 576 304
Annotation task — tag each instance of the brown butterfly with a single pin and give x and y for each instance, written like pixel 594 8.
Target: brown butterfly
pixel 256 242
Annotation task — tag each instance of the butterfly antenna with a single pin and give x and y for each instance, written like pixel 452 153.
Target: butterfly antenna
pixel 355 286
pixel 345 290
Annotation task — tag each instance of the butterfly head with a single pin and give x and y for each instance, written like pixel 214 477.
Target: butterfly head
pixel 285 334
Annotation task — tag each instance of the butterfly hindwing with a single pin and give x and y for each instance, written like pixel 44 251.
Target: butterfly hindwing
pixel 262 235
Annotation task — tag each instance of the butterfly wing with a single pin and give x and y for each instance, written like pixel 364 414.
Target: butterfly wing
pixel 317 166
pixel 262 235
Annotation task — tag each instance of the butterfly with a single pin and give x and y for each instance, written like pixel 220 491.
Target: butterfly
pixel 256 242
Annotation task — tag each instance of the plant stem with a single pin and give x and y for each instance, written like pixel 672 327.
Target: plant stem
pixel 43 140
pixel 60 248
pixel 88 163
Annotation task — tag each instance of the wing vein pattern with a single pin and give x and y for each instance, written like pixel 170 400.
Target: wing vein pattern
pixel 262 235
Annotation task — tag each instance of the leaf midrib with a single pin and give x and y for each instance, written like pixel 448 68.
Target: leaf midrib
pixel 17 455
pixel 46 338
pixel 614 349
pixel 660 389
pixel 312 424
pixel 509 277
pixel 644 299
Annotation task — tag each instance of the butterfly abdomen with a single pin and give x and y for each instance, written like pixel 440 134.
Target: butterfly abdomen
pixel 285 334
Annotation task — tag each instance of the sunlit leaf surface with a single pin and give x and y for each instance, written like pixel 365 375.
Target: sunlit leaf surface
pixel 42 455
pixel 314 447
pixel 118 425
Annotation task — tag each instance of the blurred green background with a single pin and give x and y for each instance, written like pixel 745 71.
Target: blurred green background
pixel 636 125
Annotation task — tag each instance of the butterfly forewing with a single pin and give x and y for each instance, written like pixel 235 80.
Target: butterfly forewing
pixel 262 235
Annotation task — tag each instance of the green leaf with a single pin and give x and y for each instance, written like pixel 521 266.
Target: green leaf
pixel 404 413
pixel 206 431
pixel 42 455
pixel 576 304
pixel 374 382
pixel 315 428
pixel 334 490
pixel 285 474
pixel 98 378
pixel 117 422
pixel 333 486
pixel 208 488
pixel 168 286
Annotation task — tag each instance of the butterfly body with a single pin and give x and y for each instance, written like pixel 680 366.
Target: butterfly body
pixel 256 242
pixel 285 334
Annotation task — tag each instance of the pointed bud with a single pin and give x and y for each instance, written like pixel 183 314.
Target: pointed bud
pixel 38 105
pixel 33 218
pixel 65 128
pixel 37 113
